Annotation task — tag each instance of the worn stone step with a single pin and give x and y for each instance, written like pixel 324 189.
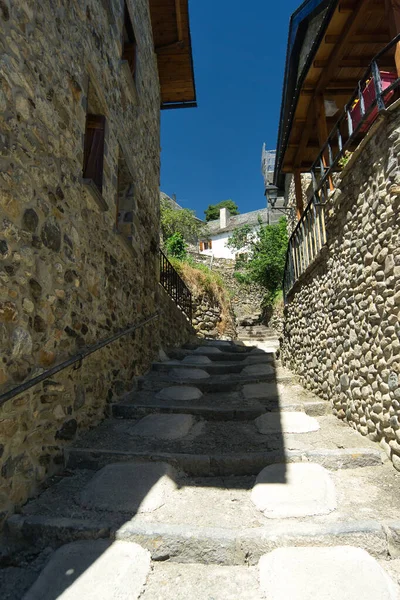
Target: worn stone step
pixel 225 347
pixel 212 407
pixel 344 573
pixel 213 368
pixel 223 356
pixel 214 383
pixel 216 368
pixel 213 448
pixel 200 446
pixel 214 519
pixel 208 545
pixel 246 463
pixel 251 402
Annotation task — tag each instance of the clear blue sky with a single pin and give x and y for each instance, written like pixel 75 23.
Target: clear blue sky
pixel 213 152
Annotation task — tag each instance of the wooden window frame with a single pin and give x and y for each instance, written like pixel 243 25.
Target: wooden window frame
pixel 93 153
pixel 129 44
pixel 206 245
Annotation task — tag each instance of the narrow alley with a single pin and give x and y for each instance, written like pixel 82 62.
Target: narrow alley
pixel 219 477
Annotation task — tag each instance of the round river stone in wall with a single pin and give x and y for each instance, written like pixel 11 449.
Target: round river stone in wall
pixel 179 392
pixel 196 360
pixel 339 573
pixel 286 422
pixel 163 427
pixel 294 490
pixel 183 374
pixel 129 487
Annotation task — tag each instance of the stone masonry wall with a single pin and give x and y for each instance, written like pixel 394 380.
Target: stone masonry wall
pixel 67 278
pixel 342 328
pixel 174 327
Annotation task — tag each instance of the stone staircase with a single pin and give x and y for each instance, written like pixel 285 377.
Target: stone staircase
pixel 259 335
pixel 218 478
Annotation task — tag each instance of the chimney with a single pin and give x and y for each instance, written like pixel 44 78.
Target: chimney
pixel 224 215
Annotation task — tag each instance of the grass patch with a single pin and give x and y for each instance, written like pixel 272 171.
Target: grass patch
pixel 201 280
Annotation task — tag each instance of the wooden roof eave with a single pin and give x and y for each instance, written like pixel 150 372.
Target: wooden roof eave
pixel 343 53
pixel 172 44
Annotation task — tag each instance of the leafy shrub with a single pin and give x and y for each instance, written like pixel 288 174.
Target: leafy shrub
pixel 175 246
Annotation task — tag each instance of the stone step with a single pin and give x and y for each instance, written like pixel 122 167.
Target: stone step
pixel 227 347
pixel 214 383
pixel 208 447
pixel 246 463
pixel 252 402
pixel 210 520
pixel 258 336
pixel 213 368
pixel 343 573
pixel 235 357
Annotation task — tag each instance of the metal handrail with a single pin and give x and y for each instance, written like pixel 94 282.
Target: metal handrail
pixel 77 358
pixel 175 286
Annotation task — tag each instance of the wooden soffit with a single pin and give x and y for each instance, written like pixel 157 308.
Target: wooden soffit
pixel 172 44
pixel 356 32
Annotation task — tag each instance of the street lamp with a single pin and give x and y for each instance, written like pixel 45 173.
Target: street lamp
pixel 271 193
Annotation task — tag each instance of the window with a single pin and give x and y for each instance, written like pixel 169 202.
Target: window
pixel 205 246
pixel 129 42
pixel 93 154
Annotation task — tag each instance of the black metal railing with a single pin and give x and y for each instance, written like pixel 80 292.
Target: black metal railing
pixel 175 286
pixel 373 95
pixel 76 359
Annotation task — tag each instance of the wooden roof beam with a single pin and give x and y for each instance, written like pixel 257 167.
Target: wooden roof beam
pixel 349 7
pixel 363 38
pixel 178 11
pixel 350 28
pixel 344 91
pixel 353 62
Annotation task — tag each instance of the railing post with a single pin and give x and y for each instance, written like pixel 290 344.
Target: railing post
pixel 376 76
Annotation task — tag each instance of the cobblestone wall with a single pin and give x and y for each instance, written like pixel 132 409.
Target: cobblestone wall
pixel 342 329
pixel 67 278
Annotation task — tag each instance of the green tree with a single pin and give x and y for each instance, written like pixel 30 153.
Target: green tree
pixel 174 220
pixel 176 247
pixel 267 257
pixel 212 212
pixel 240 237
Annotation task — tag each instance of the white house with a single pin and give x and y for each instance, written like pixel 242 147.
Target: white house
pixel 217 233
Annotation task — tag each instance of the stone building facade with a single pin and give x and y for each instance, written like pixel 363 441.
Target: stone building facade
pixel 78 255
pixel 342 325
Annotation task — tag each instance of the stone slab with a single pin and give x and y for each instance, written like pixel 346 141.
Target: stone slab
pixel 93 570
pixel 185 374
pixel 286 422
pixel 164 426
pixel 303 489
pixel 179 392
pixel 341 573
pixel 207 350
pixel 196 360
pixel 129 487
pixel 258 369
